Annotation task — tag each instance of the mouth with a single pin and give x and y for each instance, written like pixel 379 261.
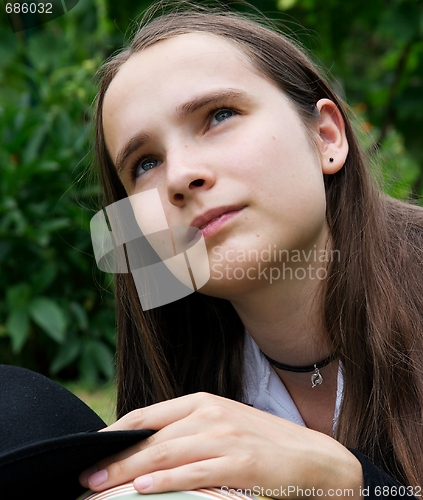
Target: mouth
pixel 211 221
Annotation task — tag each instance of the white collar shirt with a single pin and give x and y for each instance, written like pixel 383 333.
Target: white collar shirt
pixel 264 390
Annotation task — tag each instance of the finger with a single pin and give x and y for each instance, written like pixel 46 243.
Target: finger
pixel 202 474
pixel 216 418
pixel 206 416
pixel 161 414
pixel 107 462
pixel 182 428
pixel 165 455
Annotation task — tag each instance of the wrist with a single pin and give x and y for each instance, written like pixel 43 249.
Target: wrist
pixel 339 473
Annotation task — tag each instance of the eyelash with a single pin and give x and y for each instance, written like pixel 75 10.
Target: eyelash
pixel 136 164
pixel 217 110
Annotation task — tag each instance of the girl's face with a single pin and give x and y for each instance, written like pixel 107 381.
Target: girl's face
pixel 191 117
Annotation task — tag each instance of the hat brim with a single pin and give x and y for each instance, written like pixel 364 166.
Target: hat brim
pixel 51 467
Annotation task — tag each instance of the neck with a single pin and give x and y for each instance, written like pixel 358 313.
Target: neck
pixel 285 318
pixel 286 326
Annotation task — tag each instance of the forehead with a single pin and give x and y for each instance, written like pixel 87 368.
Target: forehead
pixel 173 71
pixel 153 83
pixel 178 60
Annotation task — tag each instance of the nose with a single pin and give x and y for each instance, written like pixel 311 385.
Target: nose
pixel 187 172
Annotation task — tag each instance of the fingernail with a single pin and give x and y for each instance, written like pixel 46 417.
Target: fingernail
pixel 143 483
pixel 98 478
pixel 85 475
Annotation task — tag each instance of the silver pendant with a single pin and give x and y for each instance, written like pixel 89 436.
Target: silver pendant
pixel 316 378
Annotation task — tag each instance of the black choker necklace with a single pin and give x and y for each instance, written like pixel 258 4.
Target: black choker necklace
pixel 316 378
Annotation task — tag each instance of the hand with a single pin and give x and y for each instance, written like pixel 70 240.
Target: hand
pixel 205 440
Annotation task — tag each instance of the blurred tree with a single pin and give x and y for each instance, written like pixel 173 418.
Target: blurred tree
pixel 375 51
pixel 52 317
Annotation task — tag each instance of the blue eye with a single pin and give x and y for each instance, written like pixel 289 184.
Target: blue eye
pixel 146 164
pixel 221 115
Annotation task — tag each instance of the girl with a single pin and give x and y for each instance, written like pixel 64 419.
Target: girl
pixel 314 307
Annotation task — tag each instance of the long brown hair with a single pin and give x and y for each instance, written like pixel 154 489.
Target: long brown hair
pixel 373 300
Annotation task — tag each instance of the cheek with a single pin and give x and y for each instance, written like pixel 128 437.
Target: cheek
pixel 246 154
pixel 149 211
pixel 267 139
pixel 284 178
pixel 272 158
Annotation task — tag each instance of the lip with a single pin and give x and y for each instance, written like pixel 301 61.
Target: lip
pixel 206 222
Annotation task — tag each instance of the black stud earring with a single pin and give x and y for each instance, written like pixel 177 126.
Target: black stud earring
pixel 331 159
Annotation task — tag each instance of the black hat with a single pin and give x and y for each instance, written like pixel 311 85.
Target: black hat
pixel 47 437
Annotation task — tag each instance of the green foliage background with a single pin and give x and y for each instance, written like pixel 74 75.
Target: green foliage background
pixel 56 309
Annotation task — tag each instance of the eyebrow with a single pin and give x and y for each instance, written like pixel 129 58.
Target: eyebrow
pixel 140 139
pixel 204 100
pixel 134 143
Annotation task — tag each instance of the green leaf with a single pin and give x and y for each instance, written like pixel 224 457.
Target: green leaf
pixel 55 225
pixel 86 365
pixel 18 295
pixel 103 358
pixel 96 360
pixel 80 315
pixel 67 354
pixel 17 326
pixel 34 144
pixel 50 317
pixel 286 4
pixel 42 279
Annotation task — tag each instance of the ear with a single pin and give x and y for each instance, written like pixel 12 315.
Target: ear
pixel 332 139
